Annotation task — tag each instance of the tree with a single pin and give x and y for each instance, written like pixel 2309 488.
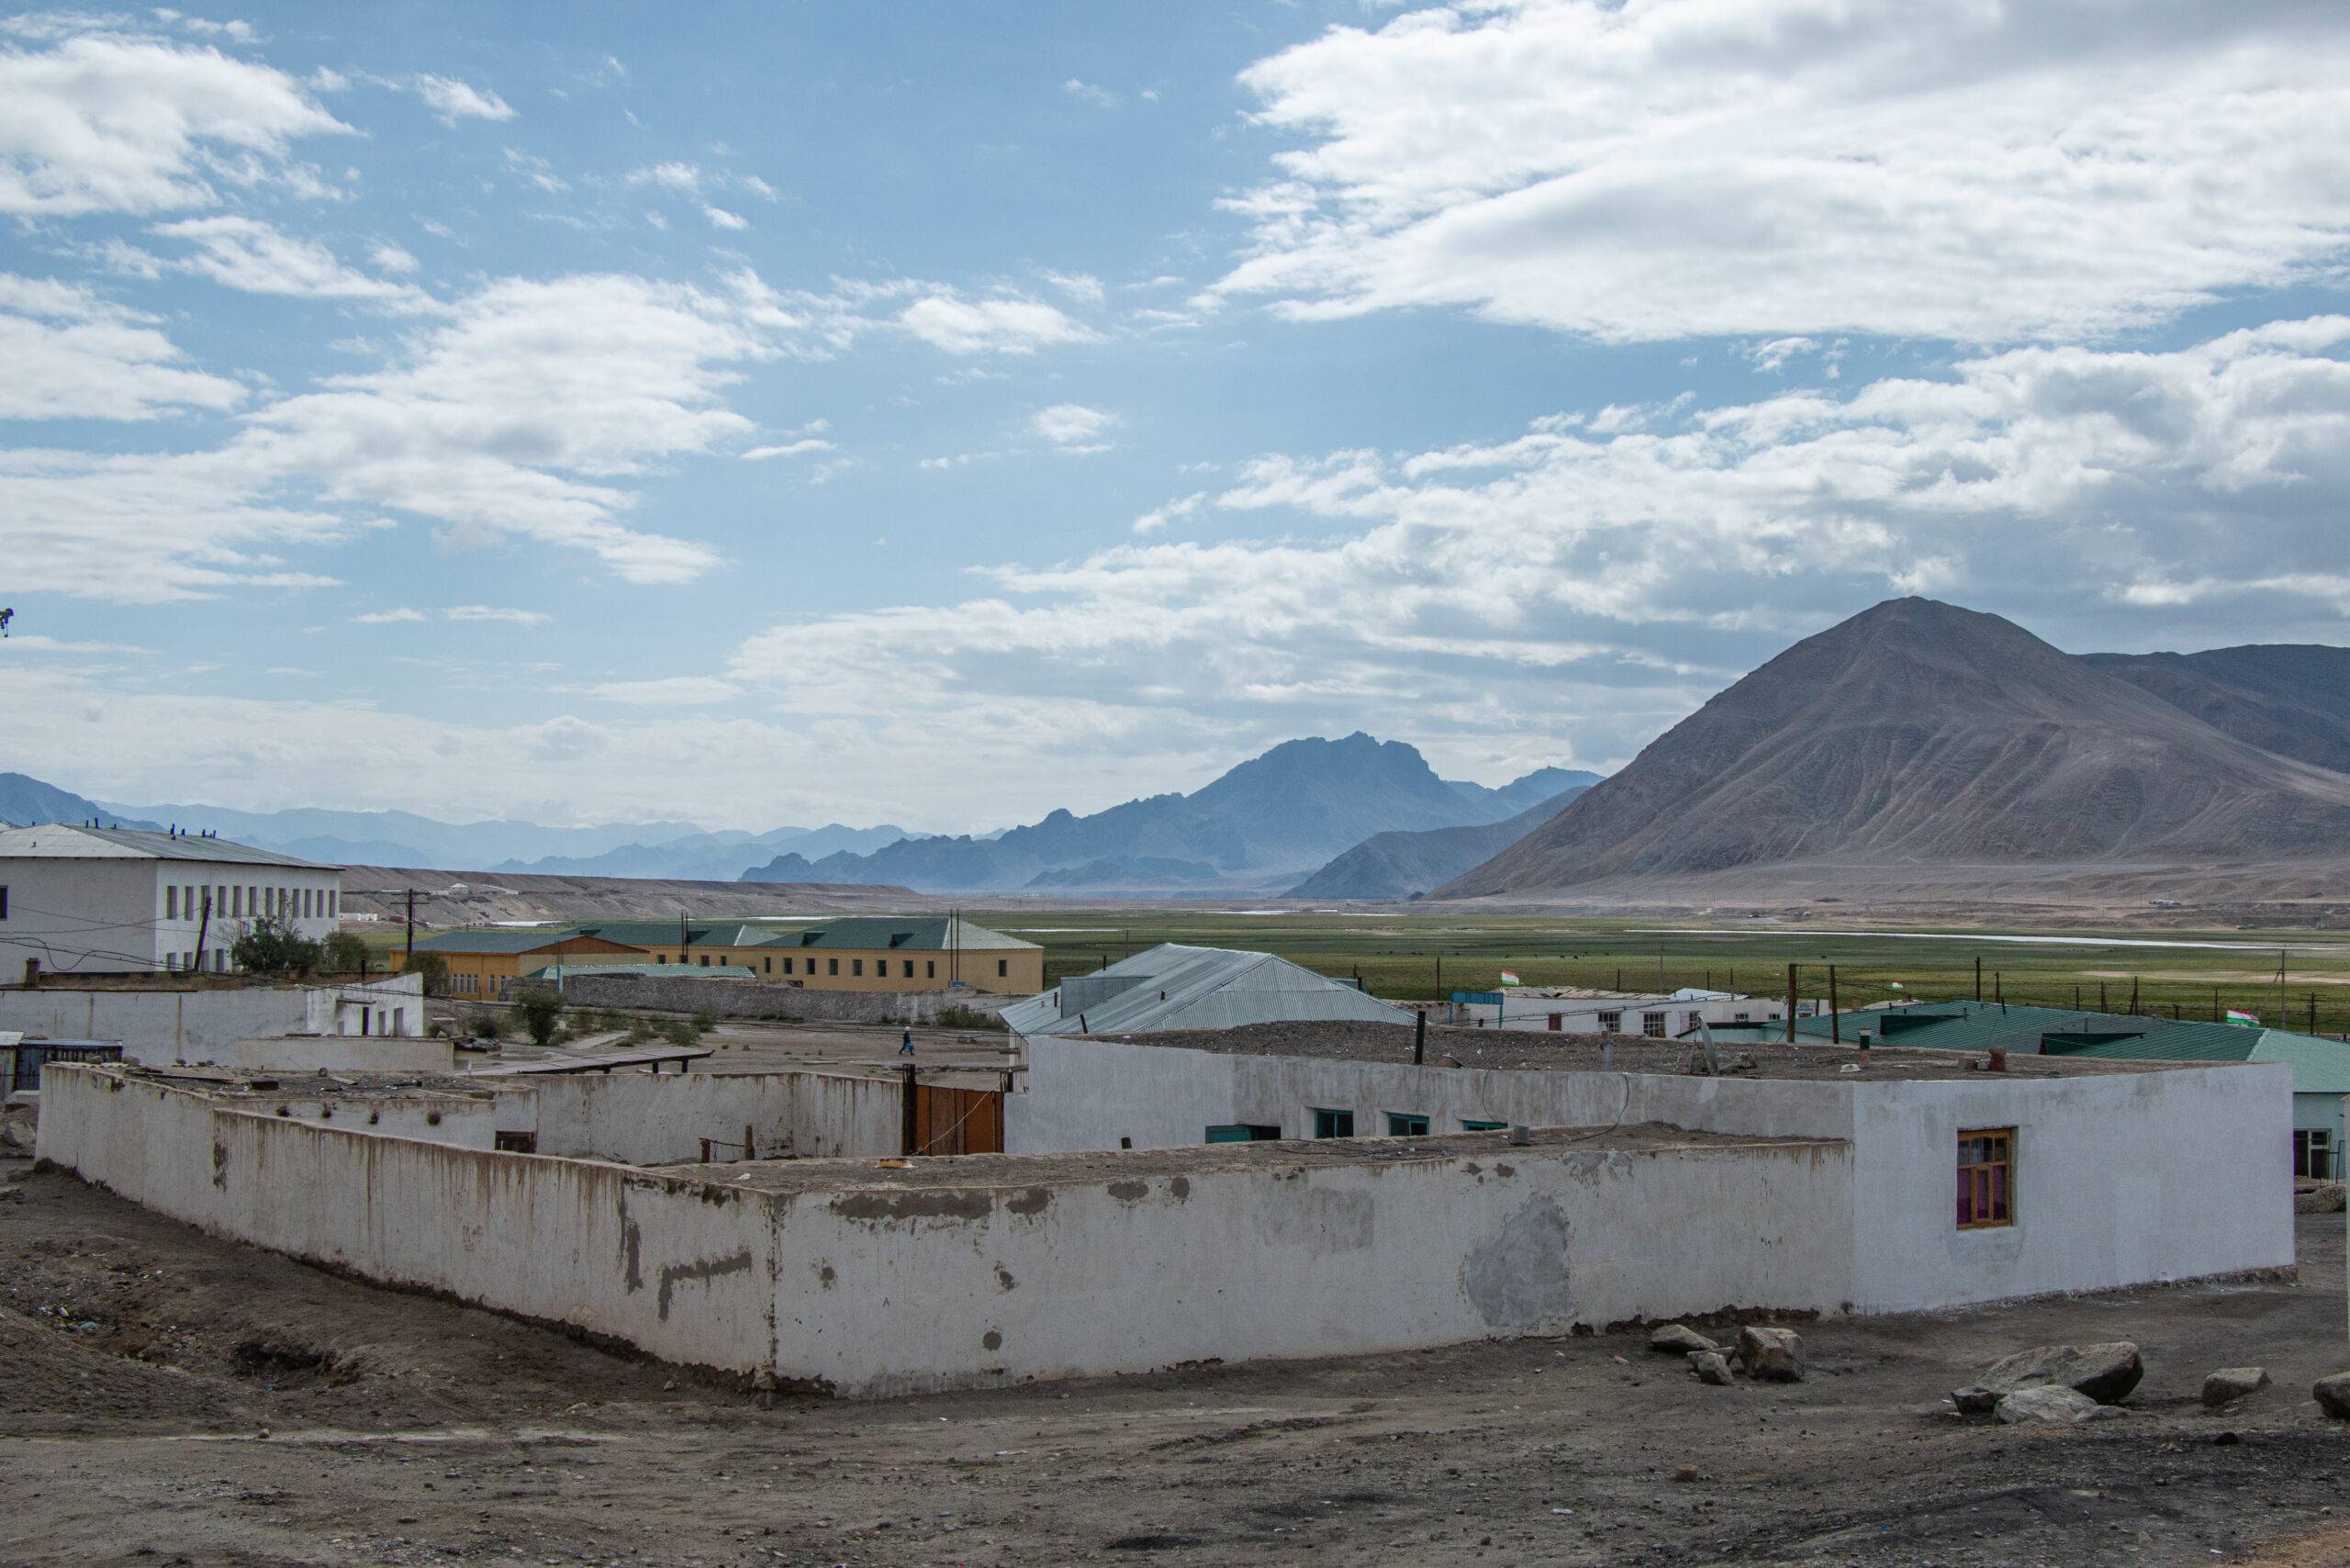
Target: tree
pixel 435 971
pixel 541 1011
pixel 269 946
pixel 341 954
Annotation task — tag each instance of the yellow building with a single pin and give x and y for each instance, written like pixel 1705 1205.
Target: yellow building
pixel 903 953
pixel 483 964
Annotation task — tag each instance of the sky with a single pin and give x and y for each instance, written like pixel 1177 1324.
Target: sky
pixel 782 413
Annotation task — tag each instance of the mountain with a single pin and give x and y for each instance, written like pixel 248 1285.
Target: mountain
pixel 1542 785
pixel 1921 733
pixel 1404 864
pixel 403 838
pixel 1267 820
pixel 26 800
pixel 2290 698
pixel 712 856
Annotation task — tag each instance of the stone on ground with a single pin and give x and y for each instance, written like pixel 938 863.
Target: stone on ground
pixel 1975 1401
pixel 2047 1401
pixel 1675 1338
pixel 1773 1355
pixel 2332 1395
pixel 1711 1366
pixel 2231 1384
pixel 2104 1372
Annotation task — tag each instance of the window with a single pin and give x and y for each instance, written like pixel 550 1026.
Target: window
pixel 1402 1124
pixel 1611 1022
pixel 929 968
pixel 170 903
pixel 660 957
pixel 1985 1178
pixel 811 966
pixel 332 899
pixel 1002 967
pixel 1333 1123
pixel 705 960
pixel 832 965
pixel 910 968
pixel 856 966
pixel 1741 1018
pixel 1243 1132
pixel 2314 1153
pixel 1469 1127
pixel 768 966
pixel 1652 1024
pixel 1558 1021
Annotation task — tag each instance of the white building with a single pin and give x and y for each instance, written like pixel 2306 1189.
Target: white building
pixel 1622 1012
pixel 1175 987
pixel 98 901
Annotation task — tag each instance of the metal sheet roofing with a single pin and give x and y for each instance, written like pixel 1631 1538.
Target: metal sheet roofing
pixel 55 841
pixel 512 942
pixel 881 933
pixel 1175 987
pixel 657 972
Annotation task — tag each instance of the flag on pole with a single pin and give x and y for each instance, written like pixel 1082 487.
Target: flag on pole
pixel 2237 1016
pixel 1509 979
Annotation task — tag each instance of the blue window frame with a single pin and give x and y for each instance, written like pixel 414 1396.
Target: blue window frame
pixel 1333 1123
pixel 1243 1132
pixel 1401 1124
pixel 1470 1126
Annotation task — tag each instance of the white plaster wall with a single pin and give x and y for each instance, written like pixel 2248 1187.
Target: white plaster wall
pixel 163 1026
pixel 891 1292
pixel 1086 1095
pixel 658 1119
pixel 681 1269
pixel 461 1123
pixel 94 916
pixel 2119 1179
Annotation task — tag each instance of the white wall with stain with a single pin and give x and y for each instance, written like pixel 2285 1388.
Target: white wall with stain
pixel 641 1118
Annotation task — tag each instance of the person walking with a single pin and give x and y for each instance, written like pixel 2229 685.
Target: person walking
pixel 906 1045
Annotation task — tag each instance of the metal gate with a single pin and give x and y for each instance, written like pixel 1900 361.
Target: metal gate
pixel 957 1121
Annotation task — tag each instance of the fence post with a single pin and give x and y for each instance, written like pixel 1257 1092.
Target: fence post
pixel 907 1130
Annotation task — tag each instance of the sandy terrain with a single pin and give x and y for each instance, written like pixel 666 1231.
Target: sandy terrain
pixel 175 1399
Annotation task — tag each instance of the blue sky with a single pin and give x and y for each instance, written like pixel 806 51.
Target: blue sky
pixel 939 414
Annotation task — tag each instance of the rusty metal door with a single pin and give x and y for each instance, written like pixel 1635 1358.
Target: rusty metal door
pixel 957 1121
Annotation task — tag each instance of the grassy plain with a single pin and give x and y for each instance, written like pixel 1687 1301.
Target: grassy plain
pixel 2193 971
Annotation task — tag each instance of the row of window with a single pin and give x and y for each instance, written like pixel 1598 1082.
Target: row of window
pixel 856 965
pixel 1653 1024
pixel 234 903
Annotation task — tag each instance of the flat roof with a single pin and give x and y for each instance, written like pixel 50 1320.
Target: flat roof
pixel 1533 1050
pixel 875 1178
pixel 261 1088
pixel 56 841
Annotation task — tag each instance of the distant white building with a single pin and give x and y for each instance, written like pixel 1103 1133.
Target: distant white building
pixel 98 901
pixel 1619 1012
pixel 1176 987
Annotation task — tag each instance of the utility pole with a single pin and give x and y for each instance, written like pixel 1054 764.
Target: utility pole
pixel 1836 1024
pixel 2280 987
pixel 1978 978
pixel 407 965
pixel 1791 1004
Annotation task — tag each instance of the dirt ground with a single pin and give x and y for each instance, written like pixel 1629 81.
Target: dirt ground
pixel 171 1398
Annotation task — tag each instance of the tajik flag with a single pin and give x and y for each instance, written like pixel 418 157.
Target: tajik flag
pixel 1509 979
pixel 2237 1016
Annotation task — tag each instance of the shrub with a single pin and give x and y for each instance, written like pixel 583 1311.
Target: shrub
pixel 342 954
pixel 639 1031
pixel 961 1017
pixel 541 1011
pixel 435 971
pixel 704 1022
pixel 678 1034
pixel 268 946
pixel 487 1025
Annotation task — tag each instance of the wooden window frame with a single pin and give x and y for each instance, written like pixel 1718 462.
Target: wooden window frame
pixel 1987 1178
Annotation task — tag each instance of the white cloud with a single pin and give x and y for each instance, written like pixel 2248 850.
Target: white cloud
pixel 1070 425
pixel 536 170
pixel 790 449
pixel 453 100
pixel 959 325
pixel 72 354
pixel 387 617
pixel 246 253
pixel 493 612
pixel 677 690
pixel 1098 97
pixel 1936 168
pixel 1580 589
pixel 683 178
pixel 1158 517
pixel 105 122
pixel 721 218
pixel 1080 287
pixel 391 257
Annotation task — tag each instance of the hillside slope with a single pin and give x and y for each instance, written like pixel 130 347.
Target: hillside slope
pixel 1399 865
pixel 1919 732
pixel 2290 698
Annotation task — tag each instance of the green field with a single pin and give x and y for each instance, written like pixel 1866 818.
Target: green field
pixel 2195 972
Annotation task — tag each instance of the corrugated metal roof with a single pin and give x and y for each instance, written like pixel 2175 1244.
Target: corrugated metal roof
pixel 55 841
pixel 657 972
pixel 1176 987
pixel 883 932
pixel 501 941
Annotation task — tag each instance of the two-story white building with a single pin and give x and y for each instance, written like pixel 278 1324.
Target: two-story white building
pixel 98 901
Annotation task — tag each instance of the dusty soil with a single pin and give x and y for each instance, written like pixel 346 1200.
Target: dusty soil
pixel 1538 1049
pixel 174 1399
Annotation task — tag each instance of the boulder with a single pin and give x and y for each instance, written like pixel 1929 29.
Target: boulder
pixel 2319 1198
pixel 1711 1367
pixel 1773 1355
pixel 2046 1401
pixel 1676 1339
pixel 2104 1372
pixel 2332 1396
pixel 2232 1383
pixel 1975 1401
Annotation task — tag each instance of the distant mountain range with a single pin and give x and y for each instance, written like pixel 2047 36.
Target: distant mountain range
pixel 1922 734
pixel 1405 865
pixel 1256 828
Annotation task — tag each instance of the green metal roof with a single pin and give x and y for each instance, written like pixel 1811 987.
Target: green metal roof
pixel 665 932
pixel 888 933
pixel 2319 1065
pixel 495 941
